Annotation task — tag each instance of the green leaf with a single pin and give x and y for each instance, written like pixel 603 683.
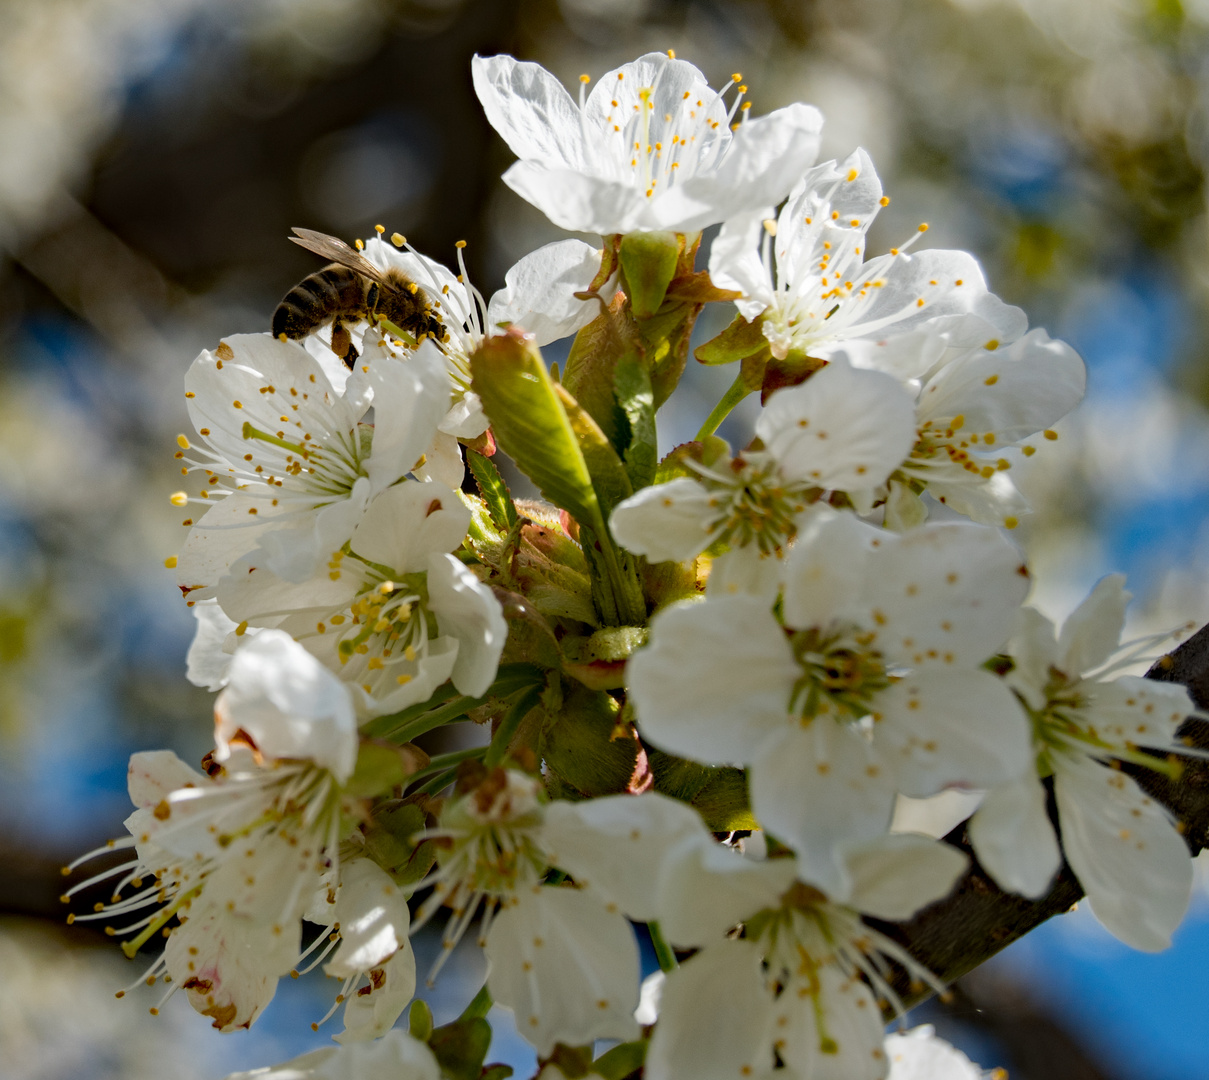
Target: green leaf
pixel 383 766
pixel 738 341
pixel 623 1060
pixel 580 748
pixel 608 475
pixel 717 793
pixel 649 261
pixel 495 492
pixel 591 362
pixel 531 424
pixel 461 1047
pixel 388 841
pixel 632 387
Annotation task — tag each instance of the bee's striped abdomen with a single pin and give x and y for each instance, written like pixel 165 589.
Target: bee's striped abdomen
pixel 316 298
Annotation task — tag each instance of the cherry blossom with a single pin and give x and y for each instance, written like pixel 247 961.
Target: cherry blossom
pixel 650 148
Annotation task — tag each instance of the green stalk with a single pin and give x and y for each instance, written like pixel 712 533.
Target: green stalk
pixel 479 1007
pixel 663 951
pixel 739 389
pixel 508 725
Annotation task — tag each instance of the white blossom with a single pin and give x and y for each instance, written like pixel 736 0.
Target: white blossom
pixel 808 277
pixel 919 1054
pixel 563 959
pixel 870 687
pixel 292 464
pixel 393 613
pixel 239 856
pixel 650 148
pixel 841 429
pixel 1123 846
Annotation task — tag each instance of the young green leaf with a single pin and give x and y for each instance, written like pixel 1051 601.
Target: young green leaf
pixel 494 491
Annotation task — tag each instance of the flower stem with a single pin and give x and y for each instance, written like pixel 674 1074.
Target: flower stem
pixel 739 389
pixel 663 951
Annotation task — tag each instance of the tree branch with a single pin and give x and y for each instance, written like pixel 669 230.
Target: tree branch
pixel 976 920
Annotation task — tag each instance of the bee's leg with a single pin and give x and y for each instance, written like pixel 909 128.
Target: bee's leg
pixel 351 357
pixel 342 343
pixel 372 295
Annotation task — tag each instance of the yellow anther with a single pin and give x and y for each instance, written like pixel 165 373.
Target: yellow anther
pixel 460 244
pixel 241 629
pixel 359 245
pixel 182 442
pixel 671 54
pixel 410 653
pixel 770 226
pixel 1010 522
pixel 737 77
pixel 398 239
pixel 178 498
pixel 585 79
pixel 957 421
pixel 379 229
pixel 923 226
pixel 402 680
pixel 170 562
pixel 884 200
pixel 1050 434
pixel 853 174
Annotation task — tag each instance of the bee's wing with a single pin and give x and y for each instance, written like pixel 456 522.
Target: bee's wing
pixel 335 249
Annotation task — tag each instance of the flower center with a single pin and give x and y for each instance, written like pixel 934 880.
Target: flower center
pixel 754 505
pixel 841 674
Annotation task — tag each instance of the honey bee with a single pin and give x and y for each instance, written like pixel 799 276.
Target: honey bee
pixel 348 290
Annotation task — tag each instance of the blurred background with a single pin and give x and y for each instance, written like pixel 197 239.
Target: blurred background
pixel 154 155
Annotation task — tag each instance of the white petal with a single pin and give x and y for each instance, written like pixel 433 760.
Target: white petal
pixel 705 889
pixel 466 419
pixel 617 844
pixel 735 263
pixel 207 662
pixel 227 531
pixel 842 1040
pixel 1136 710
pixel 1010 392
pixel 531 110
pixel 1013 837
pixel 993 500
pixel 747 570
pixel 372 1015
pixel 1092 631
pixel 919 1055
pixel 373 917
pixel 715 678
pixel 442 461
pixel 958 727
pixel 765 158
pixel 153 775
pixel 411 398
pixel 229 966
pixel 894 876
pixel 715 1018
pixel 817 788
pixel 1133 865
pixel 841 428
pixel 396 1055
pixel 565 966
pixel 296 553
pixel 1033 649
pixel 539 291
pixel 665 522
pixel 826 565
pixel 944 594
pixel 467 610
pixel 289 704
pixel 408 523
pixel 578 202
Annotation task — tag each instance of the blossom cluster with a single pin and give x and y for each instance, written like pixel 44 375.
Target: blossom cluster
pixel 703 681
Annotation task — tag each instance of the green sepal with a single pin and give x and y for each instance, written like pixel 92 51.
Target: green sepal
pixel 587 748
pixel 621 1061
pixel 717 793
pixel 592 361
pixel 636 399
pixel 531 425
pixel 461 1047
pixel 738 341
pixel 383 766
pixel 605 469
pixel 574 1062
pixel 496 496
pixel 708 451
pixel 388 841
pixel 648 262
pixel 793 370
pixel 419 1021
